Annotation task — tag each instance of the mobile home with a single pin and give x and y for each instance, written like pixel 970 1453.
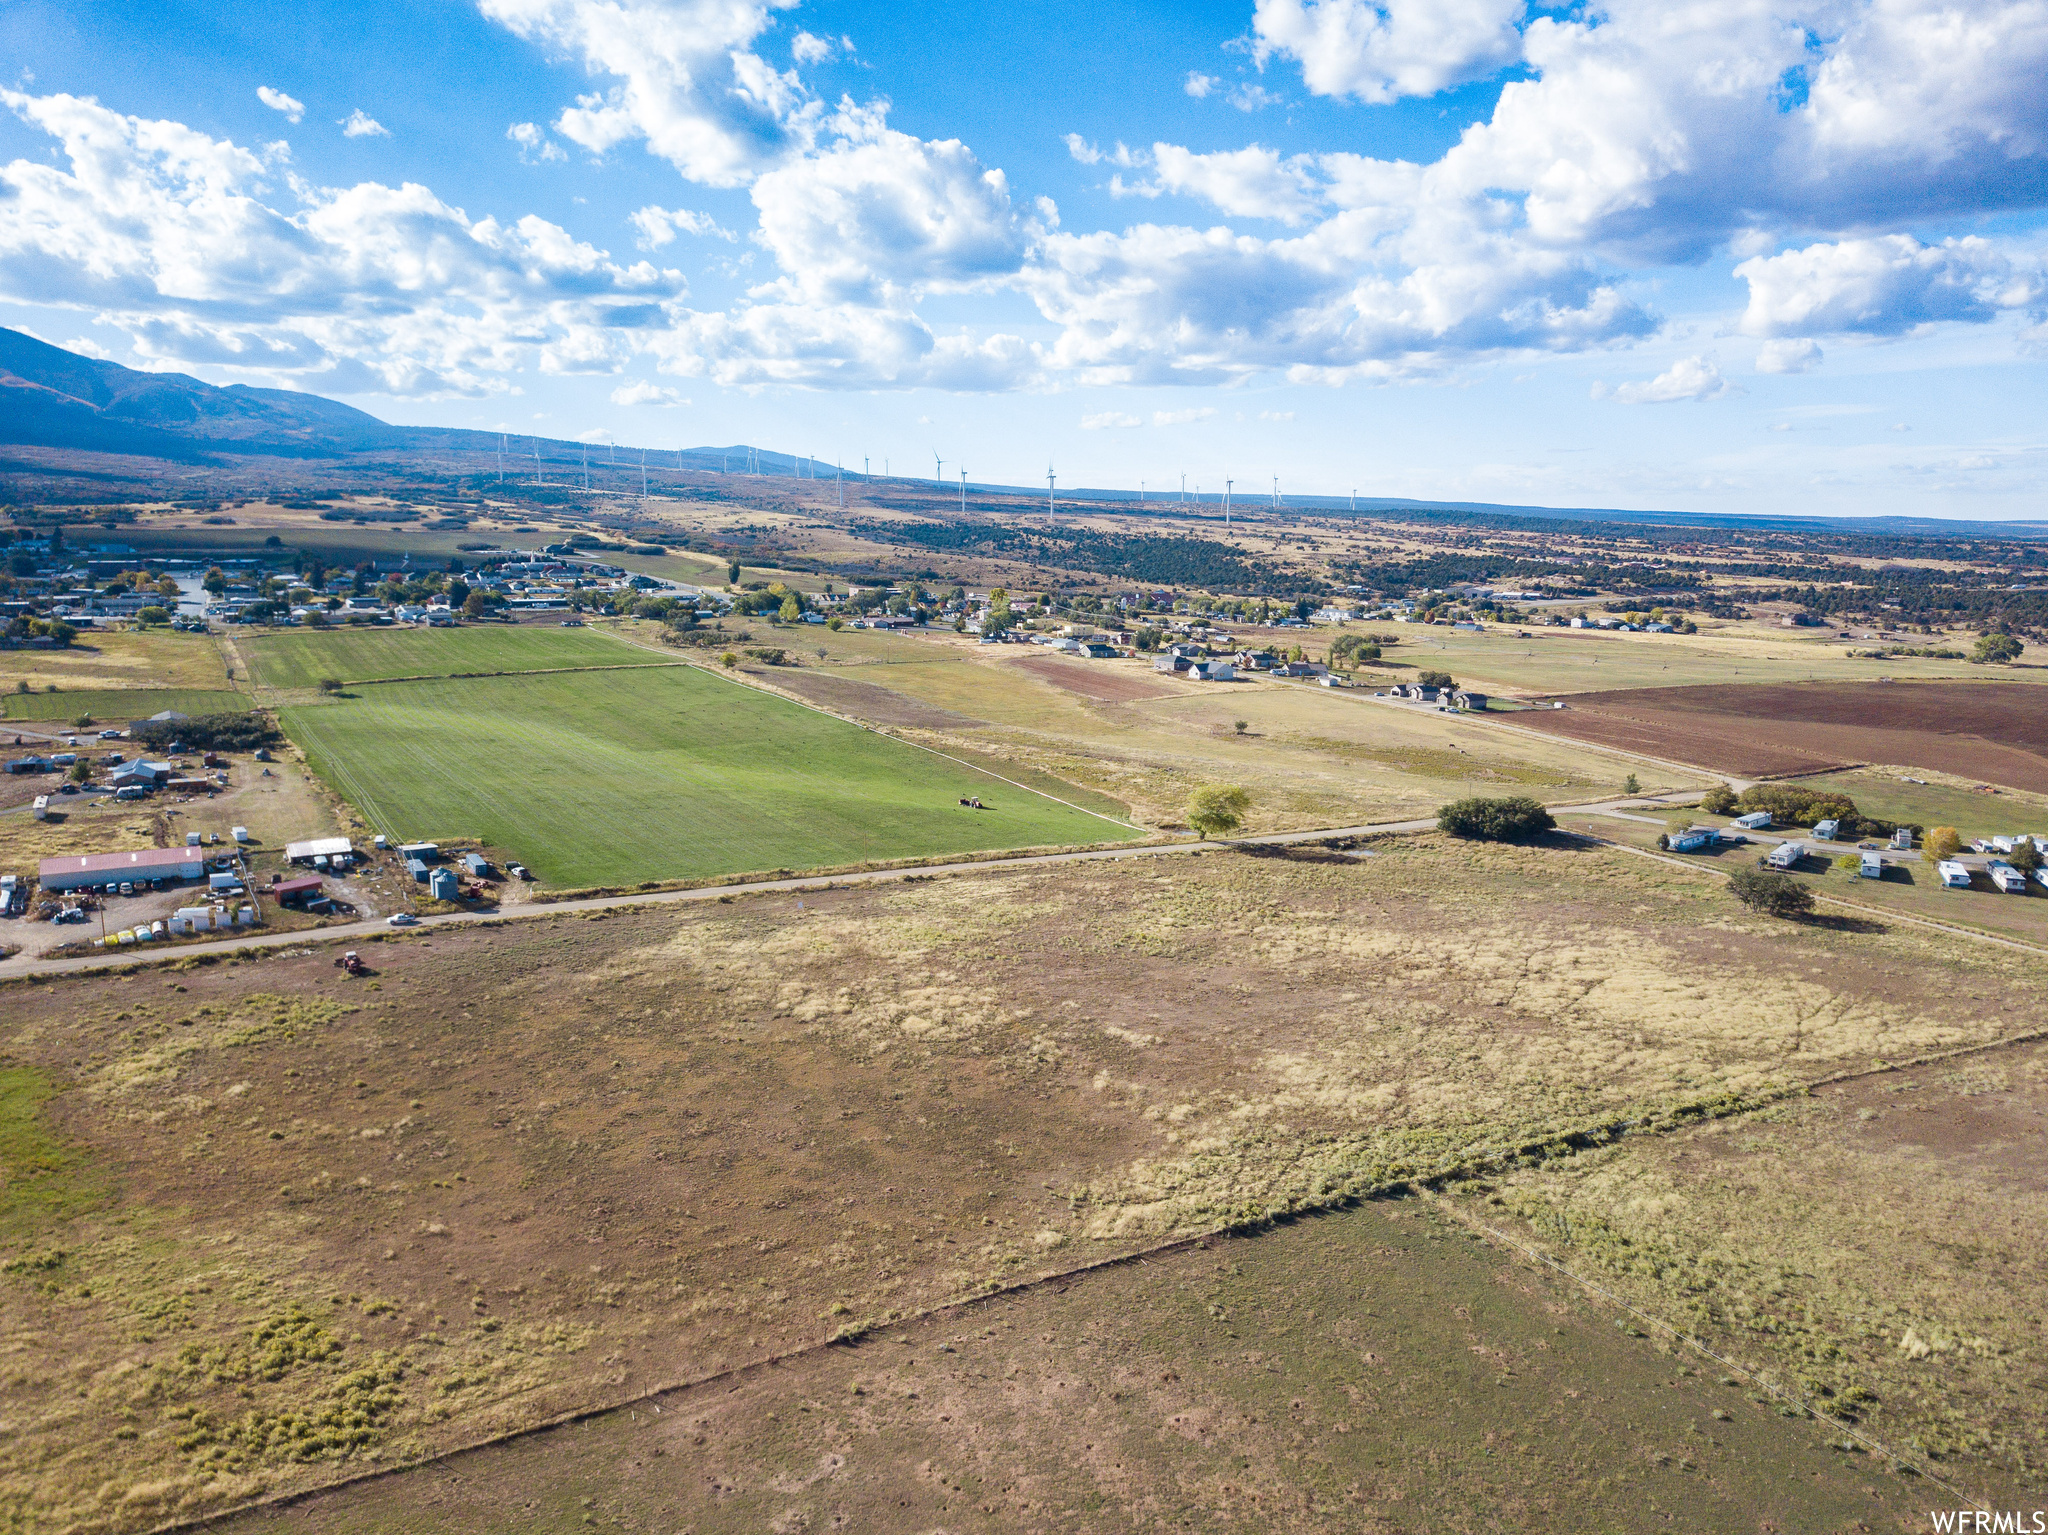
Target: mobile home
pixel 1872 866
pixel 1756 820
pixel 1953 875
pixel 2007 878
pixel 1786 854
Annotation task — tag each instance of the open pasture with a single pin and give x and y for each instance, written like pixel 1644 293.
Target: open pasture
pixel 281 1226
pixel 120 658
pixel 1994 732
pixel 613 777
pixel 302 659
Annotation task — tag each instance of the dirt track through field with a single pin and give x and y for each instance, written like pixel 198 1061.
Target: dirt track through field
pixel 1990 731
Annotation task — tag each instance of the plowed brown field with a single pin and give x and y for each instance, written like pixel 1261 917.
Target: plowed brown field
pixel 1997 732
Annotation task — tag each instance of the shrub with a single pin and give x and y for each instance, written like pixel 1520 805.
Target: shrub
pixel 1773 894
pixel 1942 842
pixel 1216 810
pixel 1495 820
pixel 330 684
pixel 1849 863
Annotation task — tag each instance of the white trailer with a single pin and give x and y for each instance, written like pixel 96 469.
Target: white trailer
pixel 1826 830
pixel 2008 879
pixel 42 807
pixel 1954 875
pixel 1756 820
pixel 1872 866
pixel 1786 854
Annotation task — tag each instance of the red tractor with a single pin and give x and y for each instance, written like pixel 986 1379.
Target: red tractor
pixel 352 963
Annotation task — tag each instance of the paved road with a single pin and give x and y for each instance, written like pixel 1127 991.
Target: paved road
pixel 100 960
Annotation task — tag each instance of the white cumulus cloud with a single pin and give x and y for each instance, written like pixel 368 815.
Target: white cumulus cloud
pixel 176 238
pixel 659 226
pixel 360 125
pixel 534 145
pixel 687 80
pixel 1882 286
pixel 1690 378
pixel 1800 356
pixel 278 101
pixel 1381 50
pixel 640 392
pixel 1182 417
pixel 1199 85
pixel 1254 182
pixel 1108 419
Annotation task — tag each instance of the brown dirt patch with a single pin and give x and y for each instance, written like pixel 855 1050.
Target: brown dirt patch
pixel 866 701
pixel 1994 732
pixel 1091 681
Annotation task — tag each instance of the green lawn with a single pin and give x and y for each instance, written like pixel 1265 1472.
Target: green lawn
pixel 606 778
pixel 301 659
pixel 122 704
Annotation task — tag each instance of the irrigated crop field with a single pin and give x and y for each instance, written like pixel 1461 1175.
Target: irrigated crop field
pixel 659 772
pixel 296 661
pixel 265 1226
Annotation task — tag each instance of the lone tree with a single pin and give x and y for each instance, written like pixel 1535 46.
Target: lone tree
pixel 1217 810
pixel 1942 842
pixel 1437 680
pixel 1495 820
pixel 1775 895
pixel 1631 785
pixel 1999 648
pixel 2024 856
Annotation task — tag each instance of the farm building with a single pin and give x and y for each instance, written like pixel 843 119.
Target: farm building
pixel 425 852
pixel 476 863
pixel 1466 698
pixel 443 885
pixel 72 873
pixel 417 869
pixel 319 847
pixel 1954 875
pixel 292 892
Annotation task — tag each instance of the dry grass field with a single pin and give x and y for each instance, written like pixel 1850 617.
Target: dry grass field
pixel 264 1227
pixel 120 658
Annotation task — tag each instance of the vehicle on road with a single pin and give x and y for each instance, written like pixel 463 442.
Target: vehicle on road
pixel 402 919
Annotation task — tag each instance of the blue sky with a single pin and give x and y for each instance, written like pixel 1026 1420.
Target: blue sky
pixel 1743 255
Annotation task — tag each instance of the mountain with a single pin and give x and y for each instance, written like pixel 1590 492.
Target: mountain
pixel 53 398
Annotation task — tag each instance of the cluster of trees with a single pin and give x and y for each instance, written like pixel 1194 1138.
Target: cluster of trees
pixel 1798 805
pixel 55 630
pixel 1517 819
pixel 210 732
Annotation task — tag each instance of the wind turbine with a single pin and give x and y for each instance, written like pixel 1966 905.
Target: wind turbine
pixel 1354 498
pixel 1276 492
pixel 501 458
pixel 1226 501
pixel 1183 490
pixel 938 468
pixel 839 483
pixel 963 492
pixel 536 460
pixel 1049 481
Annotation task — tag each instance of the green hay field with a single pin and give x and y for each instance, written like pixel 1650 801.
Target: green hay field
pixel 302 660
pixel 122 704
pixel 613 777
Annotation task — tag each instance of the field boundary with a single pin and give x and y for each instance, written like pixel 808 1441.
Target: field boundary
pixel 531 671
pixel 1562 1144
